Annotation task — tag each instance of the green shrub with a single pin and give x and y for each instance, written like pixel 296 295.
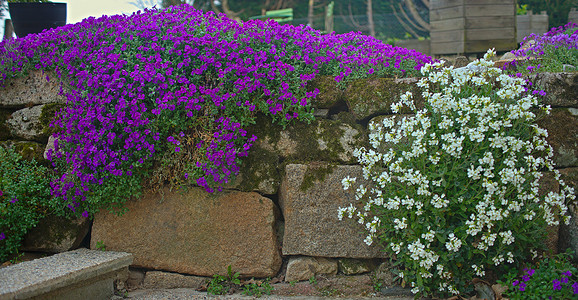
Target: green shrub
pixel 24 197
pixel 454 189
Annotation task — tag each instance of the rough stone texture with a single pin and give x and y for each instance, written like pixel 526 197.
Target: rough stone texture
pixel 25 123
pixel 166 280
pixel 352 266
pixel 323 139
pixel 370 97
pixel 78 274
pixel 258 172
pixel 562 126
pixel 135 278
pixel 547 184
pixel 51 145
pixel 195 232
pixel 27 149
pixel 309 197
pixel 4 130
pixel 56 234
pixel 32 89
pixel 329 93
pixel 561 88
pixel 303 268
pixel 569 233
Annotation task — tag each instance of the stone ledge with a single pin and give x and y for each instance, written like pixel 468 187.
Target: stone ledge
pixel 51 274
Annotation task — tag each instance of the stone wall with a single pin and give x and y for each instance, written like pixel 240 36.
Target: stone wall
pixel 280 214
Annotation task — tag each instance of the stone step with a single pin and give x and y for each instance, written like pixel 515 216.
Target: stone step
pixel 79 274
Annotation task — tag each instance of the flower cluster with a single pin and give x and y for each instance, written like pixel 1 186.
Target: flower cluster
pixel 550 51
pixel 553 278
pixel 454 185
pixel 134 83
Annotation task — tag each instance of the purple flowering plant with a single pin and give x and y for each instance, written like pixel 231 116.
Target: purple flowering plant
pixel 550 278
pixel 549 52
pixel 175 89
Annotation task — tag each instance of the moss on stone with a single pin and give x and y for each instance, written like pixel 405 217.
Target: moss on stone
pixel 329 93
pixel 259 172
pixel 369 97
pixel 4 130
pixel 316 172
pixel 47 115
pixel 27 149
pixel 352 266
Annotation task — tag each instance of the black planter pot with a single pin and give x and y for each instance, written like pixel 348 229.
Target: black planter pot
pixel 30 18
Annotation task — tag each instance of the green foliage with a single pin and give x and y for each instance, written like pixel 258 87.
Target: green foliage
pixel 521 9
pixel 100 246
pixel 24 199
pixel 258 289
pixel 312 279
pixel 549 278
pixel 221 285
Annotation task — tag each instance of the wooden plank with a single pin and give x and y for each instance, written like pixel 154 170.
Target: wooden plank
pixel 446 13
pixel 483 46
pixel 447 48
pixel 437 4
pixel 449 24
pixel 490 34
pixel 490 22
pixel 489 10
pixel 447 36
pixel 487 2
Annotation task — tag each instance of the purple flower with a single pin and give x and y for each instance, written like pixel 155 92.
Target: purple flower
pixel 556 285
pixel 575 288
pixel 2 236
pixel 522 287
pixel 515 283
pixel 85 214
pixel 1 193
pixel 13 200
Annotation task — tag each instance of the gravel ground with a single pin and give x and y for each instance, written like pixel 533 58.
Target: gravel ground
pixel 174 294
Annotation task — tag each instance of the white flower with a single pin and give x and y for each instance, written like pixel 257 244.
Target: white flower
pixel 347 182
pixel 507 237
pixel 454 243
pixel 400 224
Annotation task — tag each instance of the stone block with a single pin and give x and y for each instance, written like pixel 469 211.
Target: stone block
pixel 561 88
pixel 56 234
pixel 352 266
pixel 166 280
pixel 194 232
pixel 367 98
pixel 562 126
pixel 303 268
pixel 29 150
pixel 330 94
pixel 310 196
pixel 31 89
pixel 323 139
pixel 77 275
pixel 25 123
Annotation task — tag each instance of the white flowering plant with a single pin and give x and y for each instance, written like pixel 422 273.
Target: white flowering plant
pixel 454 188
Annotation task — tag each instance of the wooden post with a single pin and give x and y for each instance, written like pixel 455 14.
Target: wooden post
pixel 8 29
pixel 329 17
